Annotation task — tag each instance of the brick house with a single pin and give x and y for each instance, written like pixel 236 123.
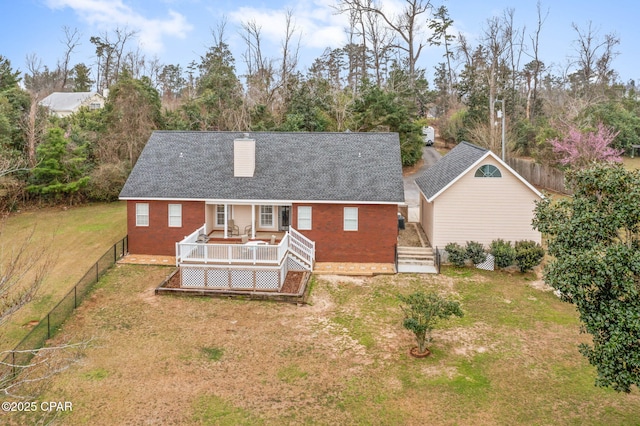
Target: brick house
pixel 227 200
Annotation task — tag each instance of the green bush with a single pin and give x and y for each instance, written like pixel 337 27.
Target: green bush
pixel 456 254
pixel 106 182
pixel 503 252
pixel 475 252
pixel 528 255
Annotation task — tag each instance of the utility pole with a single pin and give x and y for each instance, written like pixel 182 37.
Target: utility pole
pixel 501 114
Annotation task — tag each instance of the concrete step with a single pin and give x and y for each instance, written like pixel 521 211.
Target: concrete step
pixel 415 252
pixel 417 261
pixel 405 249
pixel 416 269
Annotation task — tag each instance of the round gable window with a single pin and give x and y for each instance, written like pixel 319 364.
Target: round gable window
pixel 488 170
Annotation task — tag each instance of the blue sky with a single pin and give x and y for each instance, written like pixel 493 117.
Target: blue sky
pixel 179 31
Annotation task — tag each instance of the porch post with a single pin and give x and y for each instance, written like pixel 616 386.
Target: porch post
pixel 253 221
pixel 226 221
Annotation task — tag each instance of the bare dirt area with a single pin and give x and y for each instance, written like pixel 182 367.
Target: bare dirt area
pixel 341 359
pixel 408 237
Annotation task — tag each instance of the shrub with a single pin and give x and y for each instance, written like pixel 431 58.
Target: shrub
pixel 475 252
pixel 422 311
pixel 528 254
pixel 456 254
pixel 106 182
pixel 503 252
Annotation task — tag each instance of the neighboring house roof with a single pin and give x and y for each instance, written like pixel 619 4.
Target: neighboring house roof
pixel 342 167
pixel 458 162
pixel 66 101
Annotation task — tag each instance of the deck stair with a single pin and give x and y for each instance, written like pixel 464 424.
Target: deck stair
pixel 416 260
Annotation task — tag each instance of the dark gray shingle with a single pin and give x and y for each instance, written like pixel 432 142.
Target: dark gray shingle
pixel 449 167
pixel 289 166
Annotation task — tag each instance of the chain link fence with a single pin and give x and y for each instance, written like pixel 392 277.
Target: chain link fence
pixel 22 354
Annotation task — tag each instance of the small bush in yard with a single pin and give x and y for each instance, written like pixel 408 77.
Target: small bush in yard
pixel 475 252
pixel 503 252
pixel 422 311
pixel 456 254
pixel 528 255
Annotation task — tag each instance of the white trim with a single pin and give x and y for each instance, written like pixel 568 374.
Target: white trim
pixel 474 165
pixel 310 218
pixel 177 217
pixel 262 202
pixel 266 225
pixel 350 219
pixel 147 215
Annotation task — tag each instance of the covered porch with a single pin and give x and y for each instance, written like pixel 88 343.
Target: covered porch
pixel 257 220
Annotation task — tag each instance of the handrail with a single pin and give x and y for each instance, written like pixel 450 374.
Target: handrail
pixel 189 250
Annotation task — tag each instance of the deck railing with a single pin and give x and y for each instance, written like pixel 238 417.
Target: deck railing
pixel 190 251
pixel 302 246
pixel 231 253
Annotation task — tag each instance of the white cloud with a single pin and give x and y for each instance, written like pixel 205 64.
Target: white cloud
pixel 316 22
pixel 109 14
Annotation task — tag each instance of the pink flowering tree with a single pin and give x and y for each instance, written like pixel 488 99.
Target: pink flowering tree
pixel 580 149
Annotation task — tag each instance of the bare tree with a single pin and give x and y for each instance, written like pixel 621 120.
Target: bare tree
pixel 534 69
pixel 268 84
pixel 71 41
pixel 290 54
pixel 22 270
pixel 380 40
pixel 110 55
pixel 496 37
pixel 260 70
pixel 407 26
pixel 40 82
pixel 594 56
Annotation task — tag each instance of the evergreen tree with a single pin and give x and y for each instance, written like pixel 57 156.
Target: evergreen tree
pixel 61 169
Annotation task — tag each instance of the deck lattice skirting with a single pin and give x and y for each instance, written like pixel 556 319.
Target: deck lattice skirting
pixel 242 267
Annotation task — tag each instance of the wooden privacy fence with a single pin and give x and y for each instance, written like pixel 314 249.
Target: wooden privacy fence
pixel 540 175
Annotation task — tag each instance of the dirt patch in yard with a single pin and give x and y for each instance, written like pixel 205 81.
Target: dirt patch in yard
pixel 341 359
pixel 408 237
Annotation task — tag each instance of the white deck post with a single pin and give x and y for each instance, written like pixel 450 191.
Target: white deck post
pixel 226 221
pixel 253 221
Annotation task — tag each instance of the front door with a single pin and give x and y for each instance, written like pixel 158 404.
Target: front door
pixel 284 218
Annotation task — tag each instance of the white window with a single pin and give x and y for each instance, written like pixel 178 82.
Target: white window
pixel 142 214
pixel 488 170
pixel 304 217
pixel 175 215
pixel 350 218
pixel 266 216
pixel 220 215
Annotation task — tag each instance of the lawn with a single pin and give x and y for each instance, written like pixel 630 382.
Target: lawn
pixel 75 238
pixel 342 359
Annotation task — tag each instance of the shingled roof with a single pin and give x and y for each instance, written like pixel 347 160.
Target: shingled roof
pixel 343 167
pixel 454 165
pixel 66 101
pixel 449 167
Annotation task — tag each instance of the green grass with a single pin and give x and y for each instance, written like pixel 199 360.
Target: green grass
pixel 213 354
pixel 291 373
pixel 512 359
pixel 74 238
pixel 357 329
pixel 212 410
pixel 97 374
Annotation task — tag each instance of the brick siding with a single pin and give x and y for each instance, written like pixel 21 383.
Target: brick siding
pixel 373 242
pixel 158 238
